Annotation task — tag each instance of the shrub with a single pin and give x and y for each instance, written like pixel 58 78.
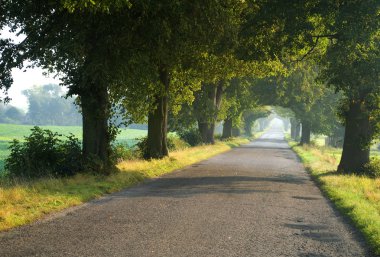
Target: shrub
pixel 43 154
pixel 122 152
pixel 174 143
pixel 372 169
pixel 218 137
pixel 191 136
pixel 142 146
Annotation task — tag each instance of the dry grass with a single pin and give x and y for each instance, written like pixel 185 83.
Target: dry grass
pixel 358 197
pixel 26 201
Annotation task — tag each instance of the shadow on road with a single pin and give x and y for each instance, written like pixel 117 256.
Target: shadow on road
pixel 188 186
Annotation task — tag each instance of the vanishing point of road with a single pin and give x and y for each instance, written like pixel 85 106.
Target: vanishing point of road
pixel 255 200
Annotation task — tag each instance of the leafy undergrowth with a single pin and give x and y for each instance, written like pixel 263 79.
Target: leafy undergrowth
pixel 358 197
pixel 22 202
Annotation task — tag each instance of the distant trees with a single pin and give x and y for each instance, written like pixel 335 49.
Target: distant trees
pixel 313 104
pixel 11 114
pixel 47 106
pixel 251 115
pixel 203 61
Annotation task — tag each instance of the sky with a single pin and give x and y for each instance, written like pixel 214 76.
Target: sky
pixel 25 79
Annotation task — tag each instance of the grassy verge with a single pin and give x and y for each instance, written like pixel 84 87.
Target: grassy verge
pixel 357 197
pixel 24 202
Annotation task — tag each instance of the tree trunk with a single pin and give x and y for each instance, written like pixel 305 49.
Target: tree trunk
pixel 357 138
pixel 236 132
pixel 155 137
pixel 261 124
pixel 305 137
pixel 207 132
pixel 248 127
pixel 293 125
pixel 297 132
pixel 158 123
pixel 96 137
pixel 207 127
pixel 286 125
pixel 227 128
pixel 164 77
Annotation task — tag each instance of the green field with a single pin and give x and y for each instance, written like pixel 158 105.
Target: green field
pixel 8 132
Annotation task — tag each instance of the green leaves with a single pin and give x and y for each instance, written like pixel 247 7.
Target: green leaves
pixel 96 5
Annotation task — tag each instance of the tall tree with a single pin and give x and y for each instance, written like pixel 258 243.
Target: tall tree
pixel 85 47
pixel 172 36
pixel 352 66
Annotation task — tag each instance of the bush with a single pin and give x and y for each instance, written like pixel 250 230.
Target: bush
pixel 372 169
pixel 122 152
pixel 191 136
pixel 142 146
pixel 44 154
pixel 174 143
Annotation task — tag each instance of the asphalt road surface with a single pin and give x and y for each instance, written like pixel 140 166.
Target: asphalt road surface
pixel 255 200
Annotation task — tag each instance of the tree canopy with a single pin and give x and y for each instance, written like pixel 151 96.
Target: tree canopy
pixel 204 62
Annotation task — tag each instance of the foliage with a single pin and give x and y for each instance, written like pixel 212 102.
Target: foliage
pixel 239 98
pixel 251 115
pixel 24 202
pixel 123 152
pixel 191 136
pixel 281 31
pixel 44 154
pixel 351 66
pixel 311 102
pixel 174 144
pixel 11 114
pixel 47 106
pixel 372 169
pixel 116 52
pixel 8 132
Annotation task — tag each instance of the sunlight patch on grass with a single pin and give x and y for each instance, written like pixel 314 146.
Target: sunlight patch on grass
pixel 22 202
pixel 358 197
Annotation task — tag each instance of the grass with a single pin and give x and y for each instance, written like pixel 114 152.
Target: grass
pixel 8 132
pixel 24 202
pixel 357 197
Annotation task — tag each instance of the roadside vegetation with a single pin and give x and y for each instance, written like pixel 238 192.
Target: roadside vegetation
pixel 10 132
pixel 185 67
pixel 23 201
pixel 356 196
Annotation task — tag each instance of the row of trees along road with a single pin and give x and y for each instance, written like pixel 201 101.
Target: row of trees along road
pixel 214 60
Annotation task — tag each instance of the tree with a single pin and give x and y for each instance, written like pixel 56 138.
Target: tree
pixel 14 115
pixel 86 47
pixel 313 104
pixel 206 106
pixel 239 98
pixel 173 36
pixel 352 66
pixel 47 106
pixel 251 115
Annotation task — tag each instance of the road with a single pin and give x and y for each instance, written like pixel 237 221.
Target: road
pixel 255 200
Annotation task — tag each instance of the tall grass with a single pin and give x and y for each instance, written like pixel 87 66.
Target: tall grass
pixel 22 202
